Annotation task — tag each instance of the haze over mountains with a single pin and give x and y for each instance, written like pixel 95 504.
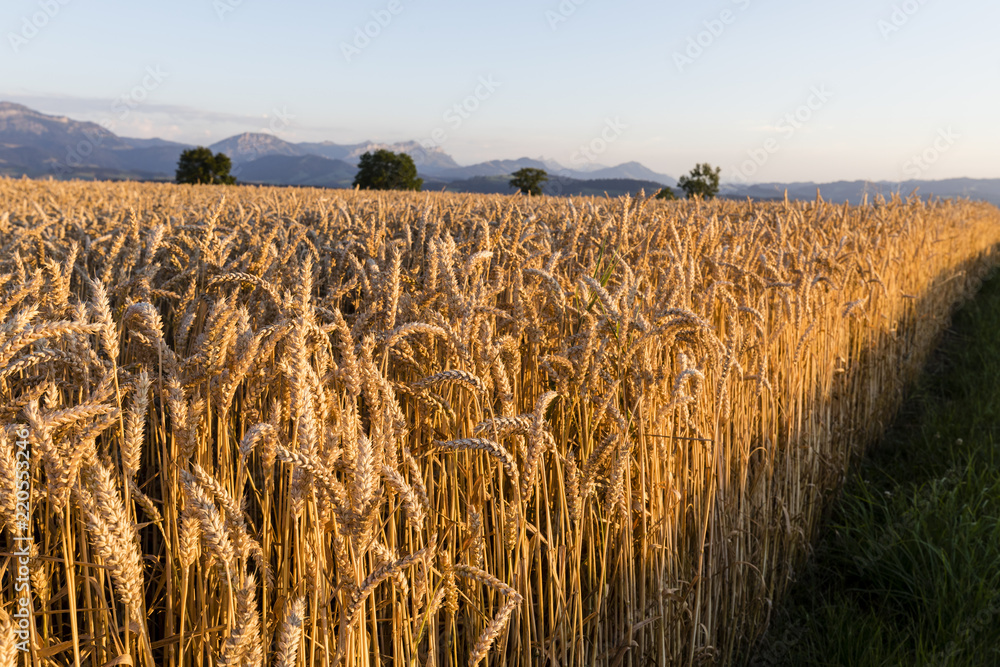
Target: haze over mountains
pixel 38 145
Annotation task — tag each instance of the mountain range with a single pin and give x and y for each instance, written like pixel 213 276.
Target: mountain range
pixel 39 145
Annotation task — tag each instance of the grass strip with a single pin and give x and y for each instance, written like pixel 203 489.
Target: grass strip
pixel 907 571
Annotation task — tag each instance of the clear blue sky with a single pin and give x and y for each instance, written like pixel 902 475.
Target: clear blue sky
pixel 887 80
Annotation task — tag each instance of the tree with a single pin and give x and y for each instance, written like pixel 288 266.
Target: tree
pixel 703 181
pixel 198 165
pixel 385 170
pixel 529 180
pixel 666 193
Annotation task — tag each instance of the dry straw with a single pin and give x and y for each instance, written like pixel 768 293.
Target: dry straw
pixel 456 428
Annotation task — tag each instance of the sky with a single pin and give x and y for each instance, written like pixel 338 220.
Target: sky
pixel 768 90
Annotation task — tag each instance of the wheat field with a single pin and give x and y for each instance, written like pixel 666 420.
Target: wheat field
pixel 265 426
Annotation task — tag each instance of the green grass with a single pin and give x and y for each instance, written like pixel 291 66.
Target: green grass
pixel 907 571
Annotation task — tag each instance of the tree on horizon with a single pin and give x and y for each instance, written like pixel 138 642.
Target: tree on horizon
pixel 385 170
pixel 198 165
pixel 703 181
pixel 529 180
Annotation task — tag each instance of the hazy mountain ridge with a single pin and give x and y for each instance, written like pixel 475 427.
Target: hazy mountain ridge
pixel 250 146
pixel 57 136
pixel 20 125
pixel 309 170
pixel 38 145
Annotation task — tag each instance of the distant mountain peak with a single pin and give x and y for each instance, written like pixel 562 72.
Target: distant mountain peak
pixel 434 156
pixel 252 145
pixel 12 107
pixel 55 135
pixel 40 145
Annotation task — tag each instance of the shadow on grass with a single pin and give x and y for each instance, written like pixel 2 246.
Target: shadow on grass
pixel 907 570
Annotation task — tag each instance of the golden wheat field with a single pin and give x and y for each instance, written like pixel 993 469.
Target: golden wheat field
pixel 256 426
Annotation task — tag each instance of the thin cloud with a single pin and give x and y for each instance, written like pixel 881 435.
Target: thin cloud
pixel 168 121
pixel 70 104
